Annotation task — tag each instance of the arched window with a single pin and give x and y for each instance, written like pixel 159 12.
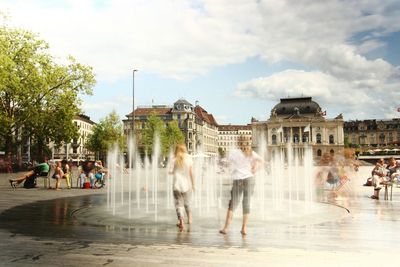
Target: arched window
pixel 319 138
pixel 331 139
pixel 332 152
pixel 274 139
pixel 319 153
pixel 305 138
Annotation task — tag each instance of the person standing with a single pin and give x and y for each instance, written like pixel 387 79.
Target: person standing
pixel 183 184
pixel 243 163
pixel 58 175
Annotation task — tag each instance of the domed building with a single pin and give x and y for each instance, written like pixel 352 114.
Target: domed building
pixel 301 122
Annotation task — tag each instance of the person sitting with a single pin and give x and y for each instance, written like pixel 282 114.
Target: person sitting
pixel 87 168
pixel 29 178
pixel 391 167
pixel 379 176
pixel 395 176
pixel 66 173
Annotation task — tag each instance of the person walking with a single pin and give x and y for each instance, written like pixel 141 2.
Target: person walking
pixel 183 184
pixel 243 163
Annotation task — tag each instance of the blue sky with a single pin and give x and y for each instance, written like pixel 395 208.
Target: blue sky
pixel 237 58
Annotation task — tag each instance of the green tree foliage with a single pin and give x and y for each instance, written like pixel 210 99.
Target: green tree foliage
pixel 173 135
pixel 153 126
pixel 38 97
pixel 106 134
pixel 169 135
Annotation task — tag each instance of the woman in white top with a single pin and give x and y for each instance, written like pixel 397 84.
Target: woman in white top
pixel 243 164
pixel 183 184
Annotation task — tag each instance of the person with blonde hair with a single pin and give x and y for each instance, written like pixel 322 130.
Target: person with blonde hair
pixel 183 184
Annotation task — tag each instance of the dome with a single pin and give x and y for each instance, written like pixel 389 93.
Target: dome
pixel 299 106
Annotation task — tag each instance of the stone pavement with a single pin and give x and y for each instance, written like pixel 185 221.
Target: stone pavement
pixel 368 236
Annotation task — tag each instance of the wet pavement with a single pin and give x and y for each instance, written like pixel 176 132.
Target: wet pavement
pixel 46 228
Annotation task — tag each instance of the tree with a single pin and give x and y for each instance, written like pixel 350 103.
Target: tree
pixel 106 134
pixel 173 135
pixel 169 135
pixel 154 125
pixel 38 97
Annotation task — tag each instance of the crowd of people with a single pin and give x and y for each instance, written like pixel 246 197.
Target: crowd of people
pixel 91 174
pixel 383 173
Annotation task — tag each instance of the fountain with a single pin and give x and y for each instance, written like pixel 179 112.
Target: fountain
pixel 142 193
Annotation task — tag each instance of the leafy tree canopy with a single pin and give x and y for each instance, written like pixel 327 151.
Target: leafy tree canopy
pixel 38 96
pixel 169 134
pixel 106 134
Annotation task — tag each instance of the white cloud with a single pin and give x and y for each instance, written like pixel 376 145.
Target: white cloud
pixel 182 39
pixel 350 97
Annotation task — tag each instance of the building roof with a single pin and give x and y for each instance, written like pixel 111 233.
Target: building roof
pixel 148 111
pixel 183 101
pixel 233 127
pixel 83 117
pixel 296 106
pixel 203 115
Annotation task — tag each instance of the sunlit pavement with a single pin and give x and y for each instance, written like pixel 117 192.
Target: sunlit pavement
pixel 37 228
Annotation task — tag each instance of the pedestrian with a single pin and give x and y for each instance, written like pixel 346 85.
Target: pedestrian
pixel 243 164
pixel 183 184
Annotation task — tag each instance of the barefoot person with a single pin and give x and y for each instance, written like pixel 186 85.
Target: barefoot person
pixel 183 184
pixel 243 163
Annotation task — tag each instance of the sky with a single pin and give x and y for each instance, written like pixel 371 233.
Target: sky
pixel 237 58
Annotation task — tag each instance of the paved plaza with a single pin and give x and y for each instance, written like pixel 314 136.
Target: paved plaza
pixel 36 228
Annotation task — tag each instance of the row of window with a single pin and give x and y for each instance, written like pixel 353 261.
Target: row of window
pixel 234 132
pixel 234 143
pixel 373 140
pixel 234 137
pixel 304 139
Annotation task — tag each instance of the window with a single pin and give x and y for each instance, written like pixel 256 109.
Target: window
pixel 274 139
pixel 332 152
pixel 190 125
pixel 319 138
pixel 305 138
pixel 190 135
pixel 382 138
pixel 331 139
pixel 319 153
pixel 295 138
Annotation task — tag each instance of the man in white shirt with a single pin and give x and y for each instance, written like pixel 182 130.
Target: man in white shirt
pixel 243 163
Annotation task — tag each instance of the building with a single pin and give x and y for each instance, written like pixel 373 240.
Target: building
pixel 206 132
pixel 300 122
pixel 198 127
pixel 76 150
pixel 233 136
pixel 372 133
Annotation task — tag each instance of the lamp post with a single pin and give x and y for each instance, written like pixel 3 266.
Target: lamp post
pixel 133 101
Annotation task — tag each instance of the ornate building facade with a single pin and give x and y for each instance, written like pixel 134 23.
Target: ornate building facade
pixel 372 133
pixel 233 136
pixel 300 122
pixel 198 126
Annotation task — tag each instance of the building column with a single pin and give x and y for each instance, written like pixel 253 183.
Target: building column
pixel 291 135
pixel 301 135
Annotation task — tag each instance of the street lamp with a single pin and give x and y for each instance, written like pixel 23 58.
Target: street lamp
pixel 133 102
